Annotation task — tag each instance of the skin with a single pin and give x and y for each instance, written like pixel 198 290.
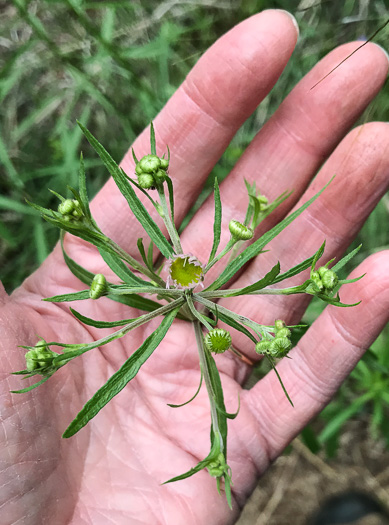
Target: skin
pixel 111 471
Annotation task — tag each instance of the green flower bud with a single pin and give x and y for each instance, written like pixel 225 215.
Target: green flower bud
pixel 329 279
pixel 150 163
pixel 263 201
pixel 66 207
pixel 279 324
pixel 316 279
pixel 70 209
pixel 217 467
pixel 146 181
pixel 239 231
pixel 283 332
pixel 164 164
pixel 218 340
pixel 138 169
pixel 263 347
pixel 160 175
pixel 98 286
pixel 280 346
pixel 40 357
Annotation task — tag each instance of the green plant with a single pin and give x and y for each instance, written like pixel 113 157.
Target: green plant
pixel 183 292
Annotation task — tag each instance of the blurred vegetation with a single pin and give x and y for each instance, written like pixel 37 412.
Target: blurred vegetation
pixel 113 64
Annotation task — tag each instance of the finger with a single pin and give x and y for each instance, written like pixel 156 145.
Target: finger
pixel 201 118
pixel 361 164
pixel 289 149
pixel 324 357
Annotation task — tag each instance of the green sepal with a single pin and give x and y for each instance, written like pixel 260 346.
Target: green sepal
pixel 121 378
pixel 193 397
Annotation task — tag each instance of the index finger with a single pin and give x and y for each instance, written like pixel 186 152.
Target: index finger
pixel 200 119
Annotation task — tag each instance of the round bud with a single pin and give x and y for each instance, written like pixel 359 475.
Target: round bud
pixel 263 347
pixel 149 163
pixel 280 346
pixel 217 467
pixel 283 332
pixel 138 169
pixel 218 340
pixel 160 175
pixel 263 201
pixel 316 279
pixel 164 164
pixel 39 357
pixel 66 207
pixel 146 181
pixel 98 286
pixel 329 279
pixel 239 231
pixel 279 324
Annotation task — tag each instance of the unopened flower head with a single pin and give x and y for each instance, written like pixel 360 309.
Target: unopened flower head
pixel 185 272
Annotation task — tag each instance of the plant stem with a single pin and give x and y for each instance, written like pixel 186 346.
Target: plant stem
pixel 214 294
pixel 207 380
pixel 174 237
pixel 228 247
pixel 197 314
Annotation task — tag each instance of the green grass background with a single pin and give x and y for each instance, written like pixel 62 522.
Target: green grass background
pixel 113 65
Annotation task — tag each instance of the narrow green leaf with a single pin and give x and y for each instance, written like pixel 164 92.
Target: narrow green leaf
pixel 100 324
pixel 119 380
pixel 192 398
pixel 262 283
pixel 254 249
pixel 348 281
pixel 153 147
pixel 134 156
pixel 29 388
pixel 121 269
pixel 279 379
pixel 82 188
pixel 169 183
pixel 300 267
pixel 335 302
pixel 135 204
pixel 345 259
pixel 142 252
pixel 317 255
pixel 81 273
pixel 64 298
pixel 219 398
pixel 217 223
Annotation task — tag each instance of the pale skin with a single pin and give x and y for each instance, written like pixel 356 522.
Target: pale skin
pixel 112 470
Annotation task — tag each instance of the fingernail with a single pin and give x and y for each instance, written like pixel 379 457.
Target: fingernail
pixel 292 18
pixel 383 50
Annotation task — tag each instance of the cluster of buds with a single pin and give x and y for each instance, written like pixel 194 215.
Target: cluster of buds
pixel 40 358
pixel 323 280
pixel 71 210
pixel 218 467
pixel 218 340
pixel 151 171
pixel 278 346
pixel 240 232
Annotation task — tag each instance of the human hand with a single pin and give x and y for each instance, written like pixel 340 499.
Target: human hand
pixel 113 469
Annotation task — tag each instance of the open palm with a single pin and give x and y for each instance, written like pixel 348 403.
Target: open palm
pixel 112 470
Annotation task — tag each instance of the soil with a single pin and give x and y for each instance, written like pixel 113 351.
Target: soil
pixel 300 481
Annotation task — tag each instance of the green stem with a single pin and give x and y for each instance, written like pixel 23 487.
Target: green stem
pixel 214 294
pixel 171 228
pixel 197 314
pixel 71 351
pixel 228 247
pixel 207 380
